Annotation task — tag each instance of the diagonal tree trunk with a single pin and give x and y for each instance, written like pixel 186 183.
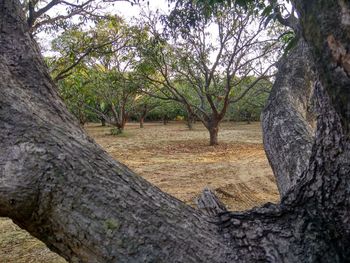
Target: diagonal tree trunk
pixel 65 190
pixel 289 118
pixel 56 183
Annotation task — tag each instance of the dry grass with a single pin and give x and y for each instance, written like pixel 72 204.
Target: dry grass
pixel 17 246
pixel 179 162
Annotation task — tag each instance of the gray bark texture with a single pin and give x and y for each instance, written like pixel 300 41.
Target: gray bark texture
pixel 209 203
pixel 289 118
pixel 326 26
pixel 60 186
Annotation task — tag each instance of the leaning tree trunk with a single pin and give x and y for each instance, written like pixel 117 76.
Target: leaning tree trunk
pixel 60 186
pixel 289 118
pixel 56 183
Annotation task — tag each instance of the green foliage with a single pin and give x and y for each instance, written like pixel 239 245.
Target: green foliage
pixel 206 72
pixel 112 224
pixel 55 15
pixel 167 109
pixel 109 69
pixel 249 108
pixel 95 68
pixel 289 39
pixel 108 41
pixel 116 131
pixel 188 14
pixel 76 94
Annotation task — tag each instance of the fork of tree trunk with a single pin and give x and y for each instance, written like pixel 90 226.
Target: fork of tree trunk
pixel 64 189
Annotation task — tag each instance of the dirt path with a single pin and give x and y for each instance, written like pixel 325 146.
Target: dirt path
pixel 179 162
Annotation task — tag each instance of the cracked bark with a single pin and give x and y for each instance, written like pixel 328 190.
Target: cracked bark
pixel 289 118
pixel 60 186
pixel 326 26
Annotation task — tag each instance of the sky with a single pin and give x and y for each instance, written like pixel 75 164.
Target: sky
pixel 126 10
pixel 122 8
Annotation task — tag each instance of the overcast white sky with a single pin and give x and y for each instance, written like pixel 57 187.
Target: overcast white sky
pixel 122 8
pixel 126 10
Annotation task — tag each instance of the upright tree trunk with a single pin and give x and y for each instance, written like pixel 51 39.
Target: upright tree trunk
pixel 213 129
pixel 143 116
pixel 141 122
pixel 103 122
pixel 59 185
pixel 189 123
pixel 190 120
pixel 165 120
pixel 249 117
pixel 125 117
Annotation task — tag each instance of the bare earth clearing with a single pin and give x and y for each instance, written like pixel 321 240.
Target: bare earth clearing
pixel 179 162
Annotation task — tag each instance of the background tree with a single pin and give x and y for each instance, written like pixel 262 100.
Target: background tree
pixel 77 46
pixel 207 72
pixel 76 93
pixel 107 67
pixel 118 90
pixel 143 105
pixel 250 107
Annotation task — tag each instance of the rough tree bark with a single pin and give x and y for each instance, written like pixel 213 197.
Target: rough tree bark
pixel 326 26
pixel 56 183
pixel 65 190
pixel 289 118
pixel 213 133
pixel 212 125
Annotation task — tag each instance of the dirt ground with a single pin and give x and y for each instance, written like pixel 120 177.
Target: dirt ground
pixel 179 162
